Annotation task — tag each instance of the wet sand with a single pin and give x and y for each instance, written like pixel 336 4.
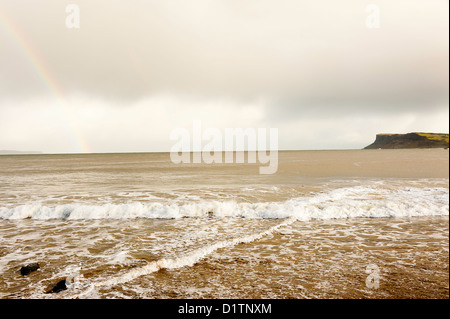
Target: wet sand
pixel 329 224
pixel 329 260
pixel 318 259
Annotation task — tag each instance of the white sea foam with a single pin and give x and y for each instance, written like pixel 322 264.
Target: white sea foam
pixel 189 259
pixel 347 202
pixel 341 203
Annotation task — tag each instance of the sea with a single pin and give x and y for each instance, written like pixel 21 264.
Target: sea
pixel 328 224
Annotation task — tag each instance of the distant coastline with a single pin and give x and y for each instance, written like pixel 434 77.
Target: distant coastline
pixel 12 152
pixel 410 140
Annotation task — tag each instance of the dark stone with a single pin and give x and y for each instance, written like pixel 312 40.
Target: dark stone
pixel 60 286
pixel 25 270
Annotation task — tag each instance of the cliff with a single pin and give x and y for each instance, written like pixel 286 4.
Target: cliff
pixel 410 140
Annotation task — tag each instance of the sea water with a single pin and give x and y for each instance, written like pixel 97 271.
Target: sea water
pixel 140 226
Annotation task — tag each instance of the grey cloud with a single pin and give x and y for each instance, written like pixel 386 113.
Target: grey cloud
pixel 297 53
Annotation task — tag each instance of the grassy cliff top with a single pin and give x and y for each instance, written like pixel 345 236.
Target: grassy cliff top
pixel 411 140
pixel 435 136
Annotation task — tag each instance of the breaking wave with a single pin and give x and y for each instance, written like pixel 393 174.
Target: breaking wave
pixel 347 202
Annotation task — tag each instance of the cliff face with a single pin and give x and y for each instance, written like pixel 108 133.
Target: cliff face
pixel 410 140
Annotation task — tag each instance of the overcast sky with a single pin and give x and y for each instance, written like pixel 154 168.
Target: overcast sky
pixel 134 72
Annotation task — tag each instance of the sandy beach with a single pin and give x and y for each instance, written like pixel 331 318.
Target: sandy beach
pixel 330 224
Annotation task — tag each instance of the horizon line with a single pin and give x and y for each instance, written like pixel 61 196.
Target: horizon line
pixel 191 152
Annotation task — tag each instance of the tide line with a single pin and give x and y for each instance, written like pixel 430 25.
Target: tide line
pixel 189 259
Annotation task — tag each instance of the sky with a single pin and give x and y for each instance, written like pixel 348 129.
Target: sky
pixel 132 72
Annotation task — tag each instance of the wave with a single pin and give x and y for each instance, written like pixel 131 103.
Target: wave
pixel 188 259
pixel 340 203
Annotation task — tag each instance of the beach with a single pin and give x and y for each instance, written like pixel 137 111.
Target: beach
pixel 328 224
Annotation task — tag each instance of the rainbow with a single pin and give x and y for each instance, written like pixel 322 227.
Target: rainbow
pixel 78 142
